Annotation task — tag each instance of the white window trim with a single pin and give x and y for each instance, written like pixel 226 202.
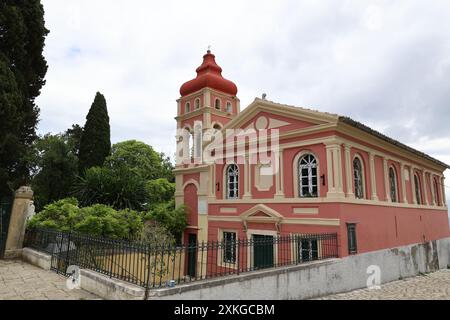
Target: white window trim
pixel 199 104
pixel 250 257
pixel 221 251
pixel 220 104
pixel 297 173
pixel 225 181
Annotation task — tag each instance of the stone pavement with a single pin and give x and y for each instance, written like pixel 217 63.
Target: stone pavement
pixel 23 281
pixel 432 286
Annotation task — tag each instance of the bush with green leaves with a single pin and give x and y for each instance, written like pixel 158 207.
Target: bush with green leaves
pixel 118 188
pixel 174 219
pixel 97 220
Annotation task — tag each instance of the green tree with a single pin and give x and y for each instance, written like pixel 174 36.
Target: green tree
pixel 10 146
pixel 141 159
pixel 160 190
pixel 56 168
pixel 119 188
pixel 73 136
pixel 95 144
pixel 171 217
pixel 22 34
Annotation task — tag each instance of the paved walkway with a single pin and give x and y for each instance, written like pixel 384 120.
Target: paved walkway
pixel 432 286
pixel 23 281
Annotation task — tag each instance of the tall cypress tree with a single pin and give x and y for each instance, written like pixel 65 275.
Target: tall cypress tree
pixel 95 143
pixel 22 37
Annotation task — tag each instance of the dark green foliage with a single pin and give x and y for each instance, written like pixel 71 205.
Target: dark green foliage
pixel 10 147
pixel 56 168
pixel 22 34
pixel 141 159
pixel 95 144
pixel 118 188
pixel 174 219
pixel 73 136
pixel 97 220
pixel 160 190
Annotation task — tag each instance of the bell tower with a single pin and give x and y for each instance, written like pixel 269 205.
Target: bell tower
pixel 209 98
pixel 207 102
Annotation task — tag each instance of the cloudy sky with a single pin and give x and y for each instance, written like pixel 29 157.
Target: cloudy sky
pixel 384 63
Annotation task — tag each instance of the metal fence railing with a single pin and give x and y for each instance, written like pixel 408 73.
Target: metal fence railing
pixel 156 266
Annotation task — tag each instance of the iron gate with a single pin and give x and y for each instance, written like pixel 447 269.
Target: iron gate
pixel 5 213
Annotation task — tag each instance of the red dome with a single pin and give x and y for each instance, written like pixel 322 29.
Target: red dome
pixel 209 74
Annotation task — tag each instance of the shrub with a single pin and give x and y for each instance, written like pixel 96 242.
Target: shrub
pixel 97 220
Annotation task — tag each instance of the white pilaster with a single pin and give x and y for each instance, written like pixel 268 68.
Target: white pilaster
pixel 425 188
pixel 348 172
pixel 402 176
pixel 373 181
pixel 386 180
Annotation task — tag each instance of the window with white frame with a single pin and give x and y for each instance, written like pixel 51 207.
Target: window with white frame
pixel 197 104
pixel 188 107
pixel 358 178
pixel 217 104
pixel 232 180
pixel 418 189
pixel 229 247
pixel 307 180
pixel 393 184
pixel 308 250
pixel 229 107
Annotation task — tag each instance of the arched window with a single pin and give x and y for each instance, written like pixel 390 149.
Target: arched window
pixel 358 178
pixel 217 104
pixel 232 177
pixel 188 107
pixel 229 107
pixel 437 199
pixel 418 189
pixel 197 104
pixel 307 171
pixel 217 126
pixel 393 184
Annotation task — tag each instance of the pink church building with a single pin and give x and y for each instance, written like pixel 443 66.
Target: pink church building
pixel 335 175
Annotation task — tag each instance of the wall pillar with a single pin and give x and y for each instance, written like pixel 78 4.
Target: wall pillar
pixel 247 178
pixel 348 172
pixel 425 188
pixel 373 181
pixel 22 208
pixel 402 176
pixel 334 167
pixel 279 192
pixel 433 192
pixel 386 180
pixel 444 197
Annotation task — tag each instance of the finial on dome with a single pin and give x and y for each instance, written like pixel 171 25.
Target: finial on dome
pixel 209 49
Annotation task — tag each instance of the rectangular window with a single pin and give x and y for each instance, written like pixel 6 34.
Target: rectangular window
pixel 229 247
pixel 308 250
pixel 351 235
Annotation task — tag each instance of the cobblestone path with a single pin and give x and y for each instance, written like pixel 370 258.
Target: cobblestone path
pixel 23 281
pixel 432 286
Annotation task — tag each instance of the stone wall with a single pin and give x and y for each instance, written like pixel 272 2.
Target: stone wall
pixel 319 278
pixel 304 281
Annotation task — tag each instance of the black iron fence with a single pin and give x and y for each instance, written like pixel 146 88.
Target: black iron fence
pixel 166 265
